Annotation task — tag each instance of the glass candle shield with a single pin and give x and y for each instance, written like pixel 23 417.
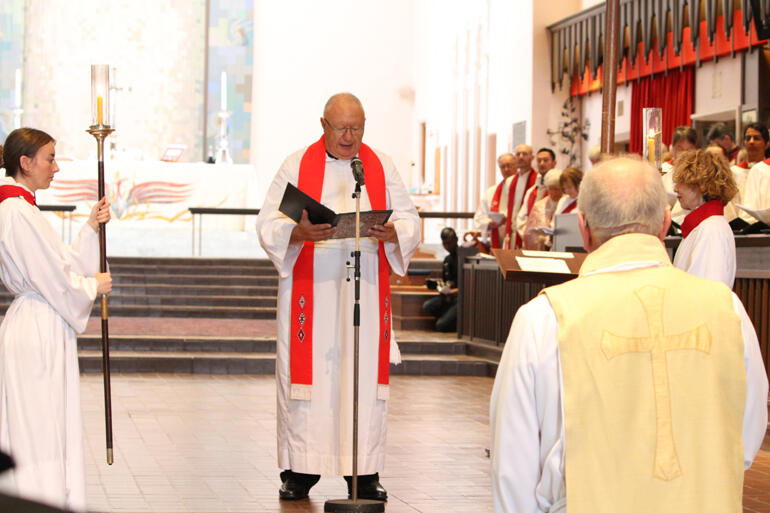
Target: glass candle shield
pixel 652 133
pixel 100 94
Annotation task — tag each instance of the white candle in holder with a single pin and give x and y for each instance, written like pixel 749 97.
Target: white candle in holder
pixel 223 96
pixel 18 89
pixel 100 94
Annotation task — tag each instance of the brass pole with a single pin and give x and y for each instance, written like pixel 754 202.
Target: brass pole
pixel 100 132
pixel 610 75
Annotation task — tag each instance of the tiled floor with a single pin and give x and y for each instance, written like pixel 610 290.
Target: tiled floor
pixel 207 444
pixel 200 443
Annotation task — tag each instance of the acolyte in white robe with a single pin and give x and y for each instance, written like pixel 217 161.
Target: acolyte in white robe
pixel 40 417
pixel 527 416
pixel 709 251
pixel 315 437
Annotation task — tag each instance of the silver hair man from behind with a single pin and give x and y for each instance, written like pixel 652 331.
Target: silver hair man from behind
pixel 622 195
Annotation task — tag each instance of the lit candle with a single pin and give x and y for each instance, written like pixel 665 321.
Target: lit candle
pixel 223 98
pixel 18 88
pixel 651 146
pixel 100 94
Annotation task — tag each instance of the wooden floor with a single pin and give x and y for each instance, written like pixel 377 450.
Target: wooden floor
pixel 207 444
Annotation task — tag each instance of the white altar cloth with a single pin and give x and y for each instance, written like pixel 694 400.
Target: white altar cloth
pixel 150 201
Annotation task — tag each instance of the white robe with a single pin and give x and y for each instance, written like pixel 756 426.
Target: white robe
pixel 709 251
pixel 315 437
pixel 40 417
pixel 756 194
pixel 527 416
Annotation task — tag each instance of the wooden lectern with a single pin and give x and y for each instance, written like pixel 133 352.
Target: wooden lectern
pixel 550 268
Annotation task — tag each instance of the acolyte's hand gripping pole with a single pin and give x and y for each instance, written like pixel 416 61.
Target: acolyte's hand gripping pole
pixel 100 132
pixel 355 504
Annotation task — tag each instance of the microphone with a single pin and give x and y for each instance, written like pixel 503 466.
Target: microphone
pixel 358 170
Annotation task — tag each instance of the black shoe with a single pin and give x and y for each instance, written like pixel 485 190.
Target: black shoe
pixel 296 486
pixel 369 487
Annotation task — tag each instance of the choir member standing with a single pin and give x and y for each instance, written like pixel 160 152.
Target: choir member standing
pixel 756 169
pixel 54 287
pixel 314 369
pixel 704 184
pixel 494 207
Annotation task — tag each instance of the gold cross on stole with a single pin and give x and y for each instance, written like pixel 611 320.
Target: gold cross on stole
pixel 657 343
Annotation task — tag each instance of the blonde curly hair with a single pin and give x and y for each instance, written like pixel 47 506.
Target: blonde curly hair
pixel 707 172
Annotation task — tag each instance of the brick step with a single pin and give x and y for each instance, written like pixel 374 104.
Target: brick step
pixel 199 344
pixel 199 261
pixel 120 299
pixel 264 363
pixel 193 269
pixel 214 312
pixel 195 279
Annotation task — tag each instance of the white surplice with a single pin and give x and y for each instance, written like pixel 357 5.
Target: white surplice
pixel 708 251
pixel 40 417
pixel 315 437
pixel 527 416
pixel 756 194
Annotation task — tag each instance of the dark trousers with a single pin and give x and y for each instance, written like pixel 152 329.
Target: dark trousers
pixel 444 309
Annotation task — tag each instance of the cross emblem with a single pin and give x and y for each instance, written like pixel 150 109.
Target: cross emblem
pixel 657 344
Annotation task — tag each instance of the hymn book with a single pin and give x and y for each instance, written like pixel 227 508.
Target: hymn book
pixel 295 201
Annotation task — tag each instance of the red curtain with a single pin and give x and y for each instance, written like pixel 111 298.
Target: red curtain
pixel 673 93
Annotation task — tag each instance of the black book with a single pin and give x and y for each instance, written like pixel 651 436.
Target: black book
pixel 294 201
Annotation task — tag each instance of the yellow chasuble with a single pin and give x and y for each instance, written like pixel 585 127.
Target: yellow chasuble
pixel 654 386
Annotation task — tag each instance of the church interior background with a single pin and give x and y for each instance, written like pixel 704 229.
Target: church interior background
pixel 447 85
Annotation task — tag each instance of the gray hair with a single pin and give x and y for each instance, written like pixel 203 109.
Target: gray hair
pixel 622 195
pixel 551 178
pixel 349 97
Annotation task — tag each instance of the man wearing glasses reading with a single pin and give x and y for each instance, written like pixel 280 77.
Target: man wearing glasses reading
pixel 315 306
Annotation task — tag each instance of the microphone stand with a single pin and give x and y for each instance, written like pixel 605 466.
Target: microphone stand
pixel 355 504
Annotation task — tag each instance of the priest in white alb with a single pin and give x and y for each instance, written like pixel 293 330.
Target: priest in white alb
pixel 494 208
pixel 755 193
pixel 635 387
pixel 314 370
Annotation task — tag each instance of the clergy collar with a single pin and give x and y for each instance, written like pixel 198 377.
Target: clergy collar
pixel 329 155
pixel 629 247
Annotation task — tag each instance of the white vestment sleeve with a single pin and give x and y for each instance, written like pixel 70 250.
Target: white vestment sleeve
pixel 481 217
pixel 404 217
pixel 273 227
pixel 755 414
pixel 45 262
pixel 526 417
pixel 82 252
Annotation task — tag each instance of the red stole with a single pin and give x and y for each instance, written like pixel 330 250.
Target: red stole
pixel 310 181
pixel 494 207
pixel 703 212
pixel 743 165
pixel 571 207
pixel 14 191
pixel 532 198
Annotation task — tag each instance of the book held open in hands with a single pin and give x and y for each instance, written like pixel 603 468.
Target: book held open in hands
pixel 295 201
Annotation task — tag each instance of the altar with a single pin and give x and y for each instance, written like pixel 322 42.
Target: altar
pixel 150 202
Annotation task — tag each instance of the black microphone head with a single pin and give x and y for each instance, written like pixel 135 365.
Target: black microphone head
pixel 358 170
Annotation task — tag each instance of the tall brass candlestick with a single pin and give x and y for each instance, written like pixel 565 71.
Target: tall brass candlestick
pixel 100 90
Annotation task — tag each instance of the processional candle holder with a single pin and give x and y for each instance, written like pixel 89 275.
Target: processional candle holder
pixel 100 109
pixel 652 132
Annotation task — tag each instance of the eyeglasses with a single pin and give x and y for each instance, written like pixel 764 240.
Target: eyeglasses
pixel 354 130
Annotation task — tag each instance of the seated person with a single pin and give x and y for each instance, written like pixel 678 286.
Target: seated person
pixel 444 306
pixel 570 185
pixel 542 213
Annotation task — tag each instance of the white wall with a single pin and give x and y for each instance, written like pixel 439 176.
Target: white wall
pixel 718 85
pixel 333 46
